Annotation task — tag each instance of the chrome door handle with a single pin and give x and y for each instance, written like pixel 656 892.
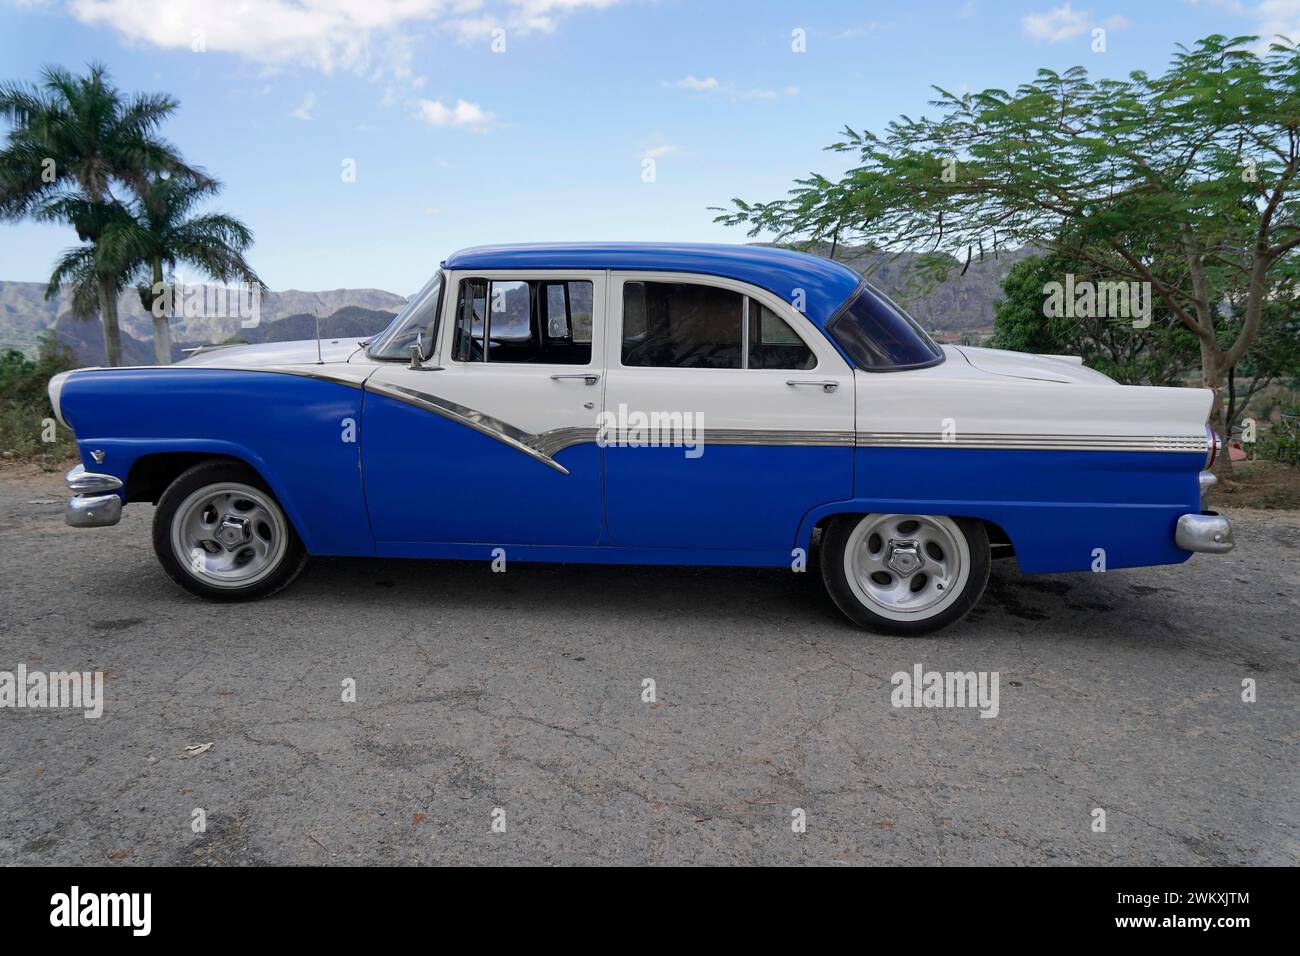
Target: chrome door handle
pixel 826 386
pixel 591 378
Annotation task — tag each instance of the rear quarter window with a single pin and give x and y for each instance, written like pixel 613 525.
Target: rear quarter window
pixel 880 337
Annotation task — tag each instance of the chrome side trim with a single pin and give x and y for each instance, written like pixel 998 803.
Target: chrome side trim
pixel 1004 441
pixel 93 511
pixel 762 436
pixel 1207 532
pixel 300 372
pixel 84 482
pixel 481 422
pixel 740 436
pixel 545 446
pixel 354 381
pixel 551 443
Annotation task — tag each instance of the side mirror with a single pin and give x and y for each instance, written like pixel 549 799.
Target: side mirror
pixel 417 352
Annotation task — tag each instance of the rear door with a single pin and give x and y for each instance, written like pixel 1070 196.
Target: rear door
pixel 493 439
pixel 770 401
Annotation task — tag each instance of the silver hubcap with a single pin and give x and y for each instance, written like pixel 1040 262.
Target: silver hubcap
pixel 229 535
pixel 907 566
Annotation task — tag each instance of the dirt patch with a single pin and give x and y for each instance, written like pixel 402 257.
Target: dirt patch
pixel 1268 485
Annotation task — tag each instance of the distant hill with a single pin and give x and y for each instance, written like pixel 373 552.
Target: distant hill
pixel 85 339
pixel 86 342
pixel 958 304
pixel 24 314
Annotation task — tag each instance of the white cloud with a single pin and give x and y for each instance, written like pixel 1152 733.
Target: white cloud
pixel 303 112
pixel 463 113
pixel 861 30
pixel 326 34
pixel 515 16
pixel 709 84
pixel 1278 18
pixel 1273 19
pixel 1062 23
pixel 654 152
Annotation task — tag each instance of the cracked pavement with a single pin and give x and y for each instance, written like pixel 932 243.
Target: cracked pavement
pixel 523 691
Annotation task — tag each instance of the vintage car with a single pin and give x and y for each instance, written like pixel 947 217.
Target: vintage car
pixel 643 403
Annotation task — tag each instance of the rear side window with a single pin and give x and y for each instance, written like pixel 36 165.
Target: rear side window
pixel 545 322
pixel 879 336
pixel 688 325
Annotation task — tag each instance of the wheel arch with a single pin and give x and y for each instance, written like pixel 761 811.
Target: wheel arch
pixel 151 472
pixel 1000 542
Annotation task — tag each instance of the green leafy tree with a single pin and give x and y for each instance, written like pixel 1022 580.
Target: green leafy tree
pixel 1162 353
pixel 1201 162
pixel 74 145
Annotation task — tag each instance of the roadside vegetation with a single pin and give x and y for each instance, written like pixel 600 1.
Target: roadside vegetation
pixel 28 430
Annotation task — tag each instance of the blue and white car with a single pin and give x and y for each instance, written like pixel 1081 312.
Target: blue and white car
pixel 637 403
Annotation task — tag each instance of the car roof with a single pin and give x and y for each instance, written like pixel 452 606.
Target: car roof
pixel 825 284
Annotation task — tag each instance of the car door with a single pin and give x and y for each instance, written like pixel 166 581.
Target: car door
pixel 492 439
pixel 772 399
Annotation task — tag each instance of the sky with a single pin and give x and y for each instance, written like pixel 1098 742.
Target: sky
pixel 364 140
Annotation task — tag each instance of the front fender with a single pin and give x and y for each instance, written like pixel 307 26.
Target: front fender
pixel 301 434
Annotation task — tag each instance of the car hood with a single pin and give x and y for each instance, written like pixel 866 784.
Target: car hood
pixel 1042 368
pixel 274 353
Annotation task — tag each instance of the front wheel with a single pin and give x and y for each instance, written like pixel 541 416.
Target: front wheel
pixel 905 574
pixel 219 533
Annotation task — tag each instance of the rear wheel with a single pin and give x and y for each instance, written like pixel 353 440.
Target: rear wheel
pixel 219 532
pixel 905 574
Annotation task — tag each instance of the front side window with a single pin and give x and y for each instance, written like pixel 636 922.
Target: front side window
pixel 687 325
pixel 880 337
pixel 543 321
pixel 418 318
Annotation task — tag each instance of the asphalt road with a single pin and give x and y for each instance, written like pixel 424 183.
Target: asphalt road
pixel 523 692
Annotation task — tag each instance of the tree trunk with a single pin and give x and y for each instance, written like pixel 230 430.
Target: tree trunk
pixel 162 340
pixel 108 317
pixel 162 330
pixel 1213 366
pixel 1212 378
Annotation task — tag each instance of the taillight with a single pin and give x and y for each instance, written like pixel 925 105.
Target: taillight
pixel 1213 443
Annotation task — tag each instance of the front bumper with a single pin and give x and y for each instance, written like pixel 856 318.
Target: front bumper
pixel 95 504
pixel 1207 532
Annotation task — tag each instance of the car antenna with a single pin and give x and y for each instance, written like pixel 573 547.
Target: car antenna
pixel 315 314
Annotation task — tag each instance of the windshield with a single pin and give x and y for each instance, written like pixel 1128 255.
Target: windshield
pixel 879 336
pixel 420 317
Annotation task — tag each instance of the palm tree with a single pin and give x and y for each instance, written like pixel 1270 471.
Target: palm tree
pixel 160 232
pixel 73 140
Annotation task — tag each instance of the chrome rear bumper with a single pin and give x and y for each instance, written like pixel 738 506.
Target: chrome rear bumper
pixel 96 504
pixel 1207 532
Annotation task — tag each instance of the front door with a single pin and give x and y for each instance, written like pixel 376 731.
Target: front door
pixel 492 440
pixel 768 401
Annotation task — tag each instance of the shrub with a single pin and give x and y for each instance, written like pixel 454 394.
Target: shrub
pixel 26 418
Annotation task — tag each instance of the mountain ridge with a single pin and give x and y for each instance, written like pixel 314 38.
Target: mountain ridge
pixel 949 307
